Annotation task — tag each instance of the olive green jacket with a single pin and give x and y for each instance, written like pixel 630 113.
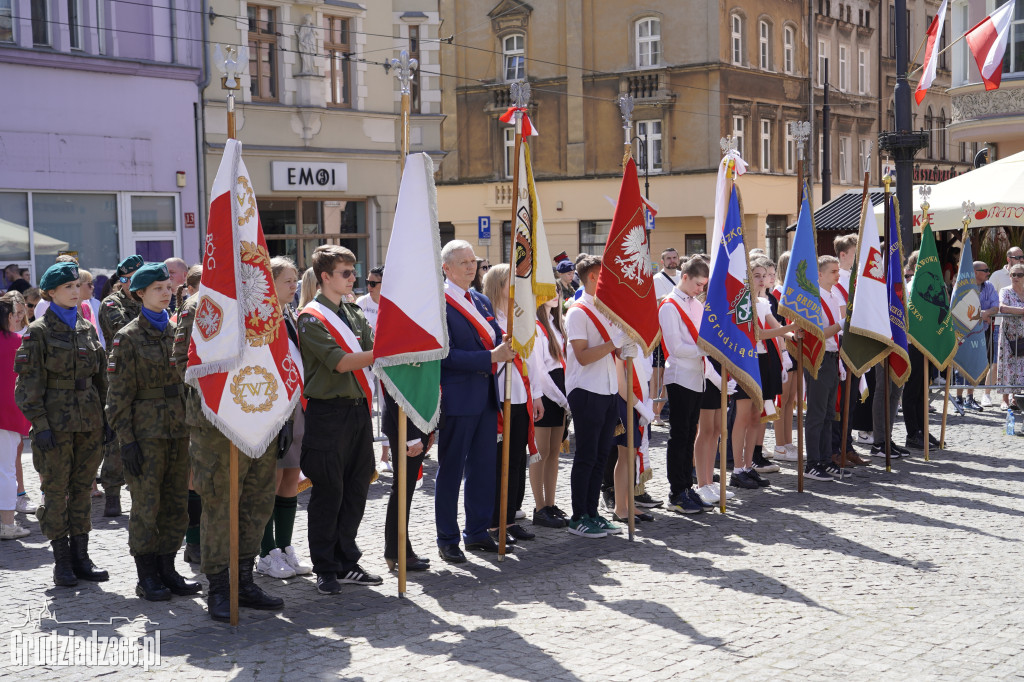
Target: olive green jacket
pixel 116 311
pixel 321 353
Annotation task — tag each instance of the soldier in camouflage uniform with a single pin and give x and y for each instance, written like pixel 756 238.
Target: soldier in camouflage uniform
pixel 59 388
pixel 116 310
pixel 146 409
pixel 209 451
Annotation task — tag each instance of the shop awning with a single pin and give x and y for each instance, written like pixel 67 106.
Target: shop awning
pixel 842 214
pixel 14 239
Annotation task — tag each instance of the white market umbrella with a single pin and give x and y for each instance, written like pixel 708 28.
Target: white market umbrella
pixel 996 189
pixel 14 239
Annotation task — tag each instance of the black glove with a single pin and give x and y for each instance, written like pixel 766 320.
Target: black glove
pixel 284 439
pixel 108 433
pixel 45 440
pixel 131 458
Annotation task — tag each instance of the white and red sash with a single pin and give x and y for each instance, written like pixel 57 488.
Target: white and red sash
pixel 346 340
pixel 531 438
pixel 830 316
pixel 688 323
pixel 842 290
pixel 479 323
pixel 544 331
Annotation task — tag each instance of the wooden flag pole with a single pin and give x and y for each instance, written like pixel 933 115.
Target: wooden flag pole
pixel 800 416
pixel 722 455
pixel 927 387
pixel 945 406
pixel 403 71
pixel 520 96
pixel 846 417
pixel 630 444
pixel 887 426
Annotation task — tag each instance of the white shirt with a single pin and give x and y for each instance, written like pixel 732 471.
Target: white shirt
pixel 764 309
pixel 685 363
pixel 41 309
pixel 541 349
pixel 1000 279
pixel 844 279
pixel 598 377
pixel 664 283
pixel 539 379
pixel 459 294
pixel 834 300
pixel 369 309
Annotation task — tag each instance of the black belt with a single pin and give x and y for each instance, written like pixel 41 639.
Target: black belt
pixel 169 391
pixel 68 384
pixel 340 402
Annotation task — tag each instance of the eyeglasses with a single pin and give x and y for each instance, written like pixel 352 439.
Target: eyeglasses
pixel 373 285
pixel 980 270
pixel 1017 275
pixel 345 274
pixel 485 268
pixel 1015 257
pixel 124 279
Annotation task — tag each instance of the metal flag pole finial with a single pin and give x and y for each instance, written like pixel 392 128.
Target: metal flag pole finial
pixel 231 66
pixel 969 207
pixel 800 131
pixel 403 67
pixel 925 191
pixel 626 109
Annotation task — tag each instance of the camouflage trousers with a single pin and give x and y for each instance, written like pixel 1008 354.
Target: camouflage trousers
pixel 66 474
pixel 112 473
pixel 209 451
pixel 159 497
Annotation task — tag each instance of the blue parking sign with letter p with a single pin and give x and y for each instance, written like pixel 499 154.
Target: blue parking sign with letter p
pixel 483 227
pixel 649 218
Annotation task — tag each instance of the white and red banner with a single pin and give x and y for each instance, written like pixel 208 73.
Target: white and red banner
pixel 238 356
pixel 931 52
pixel 988 40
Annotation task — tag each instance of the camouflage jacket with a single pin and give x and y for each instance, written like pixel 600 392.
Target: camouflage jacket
pixel 179 359
pixel 60 375
pixel 144 394
pixel 116 311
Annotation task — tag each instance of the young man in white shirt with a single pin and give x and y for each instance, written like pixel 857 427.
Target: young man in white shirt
pixel 680 315
pixel 664 282
pixel 846 251
pixel 821 392
pixel 592 385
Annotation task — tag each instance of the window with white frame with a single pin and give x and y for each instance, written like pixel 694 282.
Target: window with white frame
pixel 844 69
pixel 738 126
pixel 790 148
pixel 513 49
pixel 788 49
pixel 863 72
pixel 764 43
pixel 844 160
pixel 75 24
pixel 863 153
pixel 736 39
pixel 650 133
pixel 1013 61
pixel 6 21
pixel 823 50
pixel 510 150
pixel 648 43
pixel 766 144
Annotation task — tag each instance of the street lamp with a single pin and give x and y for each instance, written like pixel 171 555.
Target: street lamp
pixel 643 162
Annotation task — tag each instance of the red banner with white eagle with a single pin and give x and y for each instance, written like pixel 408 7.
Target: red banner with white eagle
pixel 625 287
pixel 239 356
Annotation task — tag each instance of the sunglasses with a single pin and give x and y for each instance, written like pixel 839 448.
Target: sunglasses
pixel 124 280
pixel 980 270
pixel 1017 275
pixel 1015 257
pixel 372 284
pixel 485 268
pixel 345 274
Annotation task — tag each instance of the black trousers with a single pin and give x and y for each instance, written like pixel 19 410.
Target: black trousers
pixel 518 435
pixel 683 416
pixel 337 456
pixel 412 470
pixel 595 416
pixel 913 393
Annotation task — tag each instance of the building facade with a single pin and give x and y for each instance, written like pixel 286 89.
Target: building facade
pixel 736 68
pixel 318 114
pixel 100 155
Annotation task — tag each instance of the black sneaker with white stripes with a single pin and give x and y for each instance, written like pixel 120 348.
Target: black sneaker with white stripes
pixel 357 576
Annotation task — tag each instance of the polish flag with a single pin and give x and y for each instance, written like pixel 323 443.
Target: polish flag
pixel 931 52
pixel 987 41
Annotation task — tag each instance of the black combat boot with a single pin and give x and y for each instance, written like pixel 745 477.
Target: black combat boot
pixel 174 582
pixel 250 594
pixel 192 554
pixel 112 506
pixel 63 573
pixel 218 597
pixel 149 586
pixel 81 563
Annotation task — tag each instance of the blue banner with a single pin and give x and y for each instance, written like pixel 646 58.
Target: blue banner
pixel 972 353
pixel 801 296
pixel 899 360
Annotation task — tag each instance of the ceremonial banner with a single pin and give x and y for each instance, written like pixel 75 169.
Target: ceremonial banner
pixel 801 296
pixel 238 356
pixel 411 337
pixel 899 360
pixel 625 287
pixel 729 319
pixel 931 53
pixel 971 357
pixel 535 278
pixel 867 337
pixel 929 324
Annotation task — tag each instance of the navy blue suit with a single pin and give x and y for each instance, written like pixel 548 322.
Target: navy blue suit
pixel 469 401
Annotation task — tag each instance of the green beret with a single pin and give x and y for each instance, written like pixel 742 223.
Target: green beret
pixel 57 274
pixel 129 265
pixel 147 274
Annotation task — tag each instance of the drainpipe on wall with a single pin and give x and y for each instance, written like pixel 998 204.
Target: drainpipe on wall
pixel 200 119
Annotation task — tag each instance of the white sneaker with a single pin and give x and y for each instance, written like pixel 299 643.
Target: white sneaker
pixel 295 563
pixel 865 438
pixel 13 531
pixel 386 466
pixel 708 494
pixel 520 514
pixel 784 454
pixel 986 400
pixel 25 505
pixel 275 565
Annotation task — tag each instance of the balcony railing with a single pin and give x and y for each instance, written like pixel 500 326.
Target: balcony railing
pixel 646 86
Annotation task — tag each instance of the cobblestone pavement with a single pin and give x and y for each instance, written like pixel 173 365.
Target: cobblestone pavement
pixel 909 574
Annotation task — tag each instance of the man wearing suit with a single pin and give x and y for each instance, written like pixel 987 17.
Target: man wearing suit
pixel 469 402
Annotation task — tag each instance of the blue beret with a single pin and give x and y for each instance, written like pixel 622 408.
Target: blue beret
pixel 129 265
pixel 147 274
pixel 57 274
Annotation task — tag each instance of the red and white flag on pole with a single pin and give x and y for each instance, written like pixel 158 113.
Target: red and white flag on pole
pixel 931 52
pixel 988 40
pixel 239 356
